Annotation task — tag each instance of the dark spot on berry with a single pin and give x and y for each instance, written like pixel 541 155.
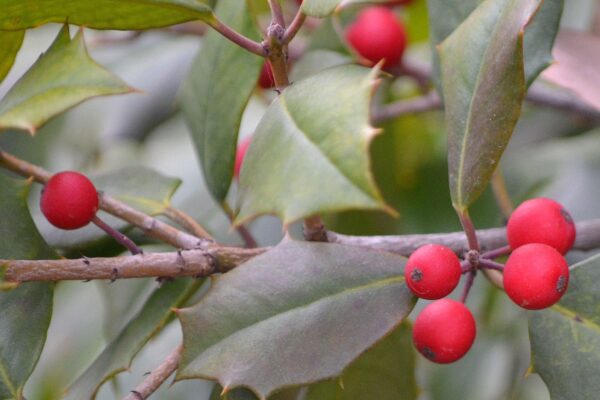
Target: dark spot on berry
pixel 427 352
pixel 561 284
pixel 416 275
pixel 566 215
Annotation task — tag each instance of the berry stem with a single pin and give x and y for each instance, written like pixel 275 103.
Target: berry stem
pixel 294 27
pixel 244 233
pixel 469 229
pixel 119 237
pixel 465 266
pixel 493 254
pixel 237 38
pixel 468 285
pixel 489 264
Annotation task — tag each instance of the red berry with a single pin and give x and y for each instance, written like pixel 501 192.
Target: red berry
pixel 266 80
pixel 535 276
pixel 432 272
pixel 541 220
pixel 240 154
pixel 377 34
pixel 444 331
pixel 69 200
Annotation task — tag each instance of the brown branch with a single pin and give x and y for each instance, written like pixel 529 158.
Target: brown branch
pixel 186 222
pixel 237 38
pixel 588 238
pixel 428 102
pixel 294 27
pixel 151 226
pixel 190 263
pixel 157 377
pixel 558 99
pixel 314 229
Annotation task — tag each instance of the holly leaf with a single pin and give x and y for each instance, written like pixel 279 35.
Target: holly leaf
pixel 61 78
pixel 119 354
pixel 221 81
pixel 446 15
pixel 295 315
pixel 10 43
pixel 565 339
pixel 323 8
pixel 310 152
pixel 103 14
pixel 27 310
pixel 484 85
pixel 384 372
pixel 142 188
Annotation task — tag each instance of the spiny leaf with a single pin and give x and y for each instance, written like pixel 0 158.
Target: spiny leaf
pixel 10 43
pixel 221 81
pixel 484 85
pixel 294 315
pixel 102 14
pixel 384 372
pixel 119 354
pixel 28 308
pixel 61 78
pixel 565 339
pixel 310 152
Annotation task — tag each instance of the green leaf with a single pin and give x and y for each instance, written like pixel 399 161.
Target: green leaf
pixel 246 394
pixel 27 310
pixel 384 372
pixel 295 315
pixel 102 14
pixel 61 78
pixel 484 86
pixel 319 8
pixel 142 188
pixel 565 339
pixel 221 81
pixel 10 43
pixel 118 355
pixel 446 15
pixel 310 152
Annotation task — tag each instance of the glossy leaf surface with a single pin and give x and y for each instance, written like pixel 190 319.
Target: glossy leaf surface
pixel 61 78
pixel 215 94
pixel 565 339
pixel 119 354
pixel 310 152
pixel 102 14
pixel 294 315
pixel 28 308
pixel 484 85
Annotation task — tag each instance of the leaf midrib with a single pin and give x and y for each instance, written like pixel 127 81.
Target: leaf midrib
pixel 7 381
pixel 348 178
pixel 571 315
pixel 375 284
pixel 470 113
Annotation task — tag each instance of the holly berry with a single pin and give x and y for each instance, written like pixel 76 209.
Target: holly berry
pixel 444 331
pixel 69 200
pixel 240 154
pixel 535 276
pixel 377 34
pixel 432 272
pixel 541 220
pixel 266 80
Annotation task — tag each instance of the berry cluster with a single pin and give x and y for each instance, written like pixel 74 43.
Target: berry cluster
pixel 535 276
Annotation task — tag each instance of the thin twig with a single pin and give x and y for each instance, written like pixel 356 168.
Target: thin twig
pixel 151 226
pixel 294 27
pixel 186 222
pixel 118 236
pixel 428 102
pixel 559 99
pixel 160 374
pixel 499 252
pixel 277 13
pixel 468 285
pixel 194 263
pixel 244 233
pixel 489 264
pixel 588 238
pixel 239 39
